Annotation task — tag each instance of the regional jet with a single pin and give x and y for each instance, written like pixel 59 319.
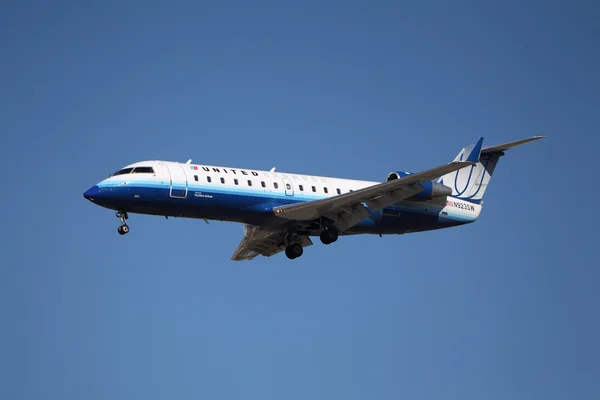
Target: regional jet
pixel 282 211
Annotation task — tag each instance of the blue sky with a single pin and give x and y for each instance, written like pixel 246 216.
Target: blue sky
pixel 506 308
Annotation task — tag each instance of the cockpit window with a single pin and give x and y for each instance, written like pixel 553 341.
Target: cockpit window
pixel 143 170
pixel 136 170
pixel 123 171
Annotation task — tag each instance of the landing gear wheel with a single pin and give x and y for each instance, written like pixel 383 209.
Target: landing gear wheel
pixel 123 229
pixel 294 250
pixel 329 236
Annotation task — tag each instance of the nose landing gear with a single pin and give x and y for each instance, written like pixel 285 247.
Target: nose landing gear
pixel 124 228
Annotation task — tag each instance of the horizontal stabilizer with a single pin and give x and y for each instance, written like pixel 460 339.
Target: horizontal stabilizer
pixel 510 145
pixel 470 184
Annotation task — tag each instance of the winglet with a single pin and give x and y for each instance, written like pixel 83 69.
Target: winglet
pixel 476 152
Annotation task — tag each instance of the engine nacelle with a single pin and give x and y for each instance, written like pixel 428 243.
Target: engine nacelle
pixel 396 174
pixel 430 191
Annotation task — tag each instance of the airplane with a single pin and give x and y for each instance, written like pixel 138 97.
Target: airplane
pixel 281 211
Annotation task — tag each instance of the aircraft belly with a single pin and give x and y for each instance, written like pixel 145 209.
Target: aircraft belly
pixel 402 220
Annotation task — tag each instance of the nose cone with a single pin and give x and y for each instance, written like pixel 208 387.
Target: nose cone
pixel 92 193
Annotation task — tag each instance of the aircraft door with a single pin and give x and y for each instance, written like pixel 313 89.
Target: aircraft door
pixel 179 184
pixel 287 185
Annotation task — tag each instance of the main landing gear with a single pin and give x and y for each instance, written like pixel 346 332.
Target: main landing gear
pixel 294 250
pixel 329 235
pixel 124 228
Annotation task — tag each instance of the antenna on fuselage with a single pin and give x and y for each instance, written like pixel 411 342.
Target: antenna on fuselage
pixel 189 161
pixel 272 169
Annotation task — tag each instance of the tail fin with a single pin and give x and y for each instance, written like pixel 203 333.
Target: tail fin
pixel 470 183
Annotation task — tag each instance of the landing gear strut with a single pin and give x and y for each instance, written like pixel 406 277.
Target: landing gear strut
pixel 124 228
pixel 329 235
pixel 294 250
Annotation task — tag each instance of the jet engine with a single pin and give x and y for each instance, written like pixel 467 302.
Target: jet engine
pixel 430 191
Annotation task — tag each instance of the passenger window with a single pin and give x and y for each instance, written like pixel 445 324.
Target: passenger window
pixel 249 182
pixel 222 180
pixel 314 189
pixel 143 170
pixel 262 183
pixel 325 190
pixel 235 182
pixel 208 179
pixel 275 185
pixel 338 191
pixel 301 188
pixel 196 178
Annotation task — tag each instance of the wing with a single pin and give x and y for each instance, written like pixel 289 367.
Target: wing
pixel 348 209
pixel 264 241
